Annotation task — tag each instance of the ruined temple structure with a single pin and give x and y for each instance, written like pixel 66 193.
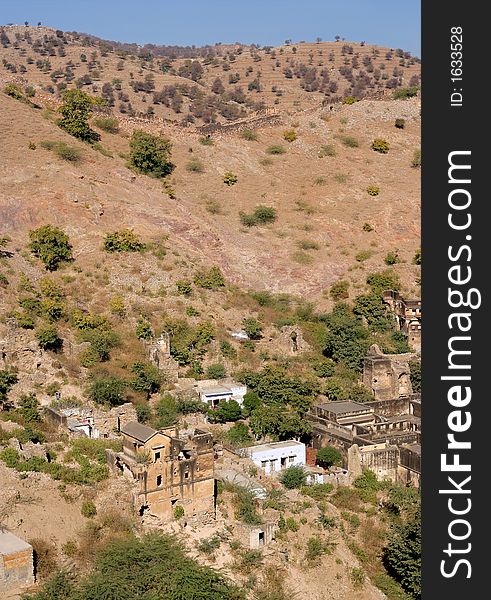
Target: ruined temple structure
pixel 169 469
pixel 387 375
pixel 291 340
pixel 158 353
pixel 407 314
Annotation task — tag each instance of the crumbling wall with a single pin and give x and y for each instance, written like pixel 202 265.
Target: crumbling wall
pixel 387 375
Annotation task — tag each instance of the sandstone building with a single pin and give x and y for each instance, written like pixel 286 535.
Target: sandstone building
pixel 169 469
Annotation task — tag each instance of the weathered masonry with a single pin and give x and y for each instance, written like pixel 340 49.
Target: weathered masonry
pixel 407 314
pixel 169 469
pixel 16 561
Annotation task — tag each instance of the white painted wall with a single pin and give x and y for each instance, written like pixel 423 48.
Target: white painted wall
pixel 272 458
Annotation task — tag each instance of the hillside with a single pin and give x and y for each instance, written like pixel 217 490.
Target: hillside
pixel 202 85
pixel 282 200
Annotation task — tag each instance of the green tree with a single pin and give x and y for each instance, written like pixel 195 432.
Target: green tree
pixel 347 340
pixel 146 378
pixel 227 411
pixel 29 408
pixel 238 435
pixel 402 555
pixel 7 380
pixel 48 338
pixel 150 154
pixel 107 389
pixel 373 308
pixel 166 411
pixel 328 456
pixel 51 245
pixel 384 280
pixel 143 329
pixel 253 328
pixel 130 568
pixel 75 112
pixel 293 477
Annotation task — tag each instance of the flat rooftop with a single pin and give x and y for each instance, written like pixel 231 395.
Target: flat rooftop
pixel 10 543
pixel 275 445
pixel 216 389
pixel 344 406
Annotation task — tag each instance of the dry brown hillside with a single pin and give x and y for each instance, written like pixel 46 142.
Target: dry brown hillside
pixel 203 85
pixel 322 203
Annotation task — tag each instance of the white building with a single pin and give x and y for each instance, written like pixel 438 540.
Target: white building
pixel 213 393
pixel 277 456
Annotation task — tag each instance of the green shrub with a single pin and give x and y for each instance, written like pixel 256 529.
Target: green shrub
pixel 206 140
pixel 265 214
pixel 150 154
pixel 328 456
pixel 380 145
pixel 51 245
pixel 184 287
pixel 392 258
pixel 308 245
pixel 373 190
pixel 213 207
pixel 292 524
pixel 195 166
pixel 124 240
pixel 253 328
pixel 323 367
pixel 88 509
pixel 216 371
pixel 275 149
pixel 327 150
pixel 249 134
pixel 230 178
pixel 48 338
pixel 107 389
pixel 107 124
pixel 367 227
pixel 290 135
pixel 293 477
pixel 13 91
pixel 178 512
pixel 416 160
pixel 400 123
pixel 385 280
pixel 417 257
pixel 247 220
pixel 349 142
pixel 210 279
pixel 318 491
pixel 405 93
pixel 4 282
pixel 315 549
pixel 339 290
pixel 143 329
pixel 357 577
pixel 363 255
pixel 62 150
pixel 349 100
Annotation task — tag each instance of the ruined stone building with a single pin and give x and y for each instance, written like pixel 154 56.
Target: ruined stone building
pixel 91 422
pixel 16 561
pixel 383 436
pixel 168 469
pixel 407 314
pixel 387 375
pixel 158 353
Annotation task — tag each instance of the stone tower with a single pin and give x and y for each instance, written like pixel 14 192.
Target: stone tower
pixel 158 353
